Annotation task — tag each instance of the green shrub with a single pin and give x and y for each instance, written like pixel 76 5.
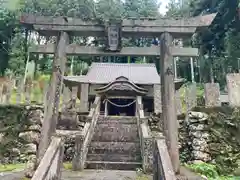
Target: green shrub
pixel 205 169
pixel 210 171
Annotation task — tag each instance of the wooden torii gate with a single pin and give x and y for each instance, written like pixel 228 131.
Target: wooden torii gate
pixel 165 29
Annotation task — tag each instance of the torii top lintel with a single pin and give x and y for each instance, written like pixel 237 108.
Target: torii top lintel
pixel 48 25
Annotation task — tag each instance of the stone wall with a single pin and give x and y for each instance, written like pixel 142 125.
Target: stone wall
pixel 209 135
pixel 20 128
pixel 194 138
pixel 20 131
pixel 217 131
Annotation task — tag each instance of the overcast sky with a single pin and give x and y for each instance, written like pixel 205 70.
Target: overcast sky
pixel 163 6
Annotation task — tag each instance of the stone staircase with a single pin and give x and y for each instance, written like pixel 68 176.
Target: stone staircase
pixel 115 144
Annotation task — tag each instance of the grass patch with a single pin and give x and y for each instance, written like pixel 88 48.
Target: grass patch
pixel 142 177
pixel 210 171
pixel 11 167
pixel 67 165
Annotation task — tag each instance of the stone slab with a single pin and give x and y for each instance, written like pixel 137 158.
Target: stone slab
pixel 84 97
pixel 102 175
pixel 178 102
pixel 116 132
pixel 233 84
pixel 116 147
pixel 113 157
pixel 122 119
pixel 113 165
pixel 212 94
pixel 157 98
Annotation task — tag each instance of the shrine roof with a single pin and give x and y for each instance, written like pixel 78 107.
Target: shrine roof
pixel 104 73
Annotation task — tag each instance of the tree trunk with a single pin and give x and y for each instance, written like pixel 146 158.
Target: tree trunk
pixel 211 71
pixel 36 59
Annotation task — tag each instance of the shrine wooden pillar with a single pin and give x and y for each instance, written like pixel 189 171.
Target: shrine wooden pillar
pixel 168 98
pixel 106 108
pixel 53 99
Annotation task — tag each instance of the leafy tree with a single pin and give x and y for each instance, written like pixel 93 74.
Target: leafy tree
pixel 7 32
pixel 217 41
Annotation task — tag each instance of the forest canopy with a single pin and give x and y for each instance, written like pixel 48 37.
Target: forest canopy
pixel 219 45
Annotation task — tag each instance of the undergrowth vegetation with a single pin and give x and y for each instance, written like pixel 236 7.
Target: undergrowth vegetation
pixel 210 171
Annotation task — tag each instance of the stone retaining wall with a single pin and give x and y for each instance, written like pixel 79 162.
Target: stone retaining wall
pixel 209 135
pixel 20 131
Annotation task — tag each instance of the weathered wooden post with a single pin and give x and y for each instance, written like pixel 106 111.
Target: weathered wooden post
pixel 50 121
pixel 168 98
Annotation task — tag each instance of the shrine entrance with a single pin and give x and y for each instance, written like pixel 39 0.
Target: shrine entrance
pixel 119 97
pixel 121 107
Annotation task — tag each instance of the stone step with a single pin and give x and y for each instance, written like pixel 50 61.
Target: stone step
pixel 114 147
pixel 116 132
pixel 113 165
pixel 121 119
pixel 113 157
pixel 93 174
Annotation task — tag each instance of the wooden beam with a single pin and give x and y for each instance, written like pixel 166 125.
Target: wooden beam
pixel 75 49
pixel 130 27
pixel 168 100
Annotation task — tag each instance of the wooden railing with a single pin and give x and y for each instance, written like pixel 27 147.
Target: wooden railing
pixel 51 163
pixel 162 164
pixel 84 138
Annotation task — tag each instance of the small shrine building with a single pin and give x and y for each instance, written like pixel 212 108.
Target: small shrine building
pixel 119 84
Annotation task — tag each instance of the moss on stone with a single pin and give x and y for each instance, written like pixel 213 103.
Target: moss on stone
pixel 12 121
pixel 67 165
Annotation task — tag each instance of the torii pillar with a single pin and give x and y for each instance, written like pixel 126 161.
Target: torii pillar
pixel 168 99
pixel 53 95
